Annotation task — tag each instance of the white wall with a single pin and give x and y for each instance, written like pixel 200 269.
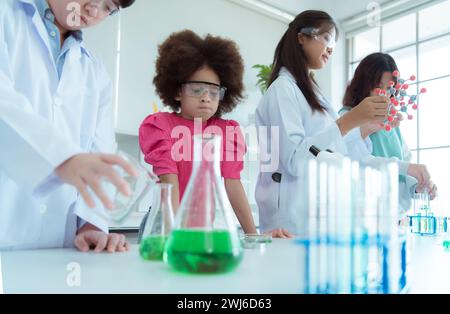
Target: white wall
pixel 148 23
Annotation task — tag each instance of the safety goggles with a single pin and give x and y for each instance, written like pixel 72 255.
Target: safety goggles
pixel 326 38
pixel 199 88
pixel 108 7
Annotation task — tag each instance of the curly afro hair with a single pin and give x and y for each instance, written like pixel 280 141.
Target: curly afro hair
pixel 184 53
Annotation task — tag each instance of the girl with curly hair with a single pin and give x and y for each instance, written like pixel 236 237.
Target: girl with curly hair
pixel 199 79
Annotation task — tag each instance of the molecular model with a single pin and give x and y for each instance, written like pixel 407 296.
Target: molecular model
pixel 401 101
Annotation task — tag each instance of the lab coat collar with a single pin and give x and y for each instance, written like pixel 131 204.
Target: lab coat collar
pixel 85 50
pixel 40 27
pixel 43 7
pixel 285 72
pixel 32 10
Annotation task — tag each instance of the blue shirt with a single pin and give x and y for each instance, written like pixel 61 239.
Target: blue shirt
pixel 59 53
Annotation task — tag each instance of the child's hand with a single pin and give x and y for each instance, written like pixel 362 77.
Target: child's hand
pixel 420 172
pixel 432 190
pixel 371 109
pixel 87 170
pixel 370 128
pixel 281 233
pixel 375 126
pixel 91 237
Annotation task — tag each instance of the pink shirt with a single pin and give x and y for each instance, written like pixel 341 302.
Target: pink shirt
pixel 157 138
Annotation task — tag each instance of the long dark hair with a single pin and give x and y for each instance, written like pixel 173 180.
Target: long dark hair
pixel 368 75
pixel 290 54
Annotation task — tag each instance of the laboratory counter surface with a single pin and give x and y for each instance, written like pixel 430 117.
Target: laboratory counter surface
pixel 272 268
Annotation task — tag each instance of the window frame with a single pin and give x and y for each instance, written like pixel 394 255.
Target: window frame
pixel 350 63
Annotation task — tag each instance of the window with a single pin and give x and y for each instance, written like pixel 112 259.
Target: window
pixel 366 43
pixel 399 33
pixel 420 44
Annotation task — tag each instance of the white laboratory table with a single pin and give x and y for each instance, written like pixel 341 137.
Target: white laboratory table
pixel 270 269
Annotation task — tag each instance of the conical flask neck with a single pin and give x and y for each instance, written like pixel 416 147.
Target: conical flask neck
pixel 207 154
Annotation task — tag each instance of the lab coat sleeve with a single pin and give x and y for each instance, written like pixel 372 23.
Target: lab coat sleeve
pixel 411 182
pixel 31 146
pixel 103 142
pixel 356 145
pixel 403 165
pixel 361 149
pixel 407 156
pixel 288 109
pixel 376 162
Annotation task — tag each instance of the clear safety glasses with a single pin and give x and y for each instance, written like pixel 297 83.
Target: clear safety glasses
pixel 326 38
pixel 108 7
pixel 198 89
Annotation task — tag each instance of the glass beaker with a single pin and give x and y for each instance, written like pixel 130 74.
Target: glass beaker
pixel 139 186
pixel 205 237
pixel 422 203
pixel 446 241
pixel 254 241
pixel 423 221
pixel 158 224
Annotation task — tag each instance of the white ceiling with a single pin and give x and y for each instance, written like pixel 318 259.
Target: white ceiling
pixel 339 9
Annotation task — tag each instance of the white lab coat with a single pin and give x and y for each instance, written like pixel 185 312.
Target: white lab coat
pixel 284 106
pixel 360 148
pixel 45 120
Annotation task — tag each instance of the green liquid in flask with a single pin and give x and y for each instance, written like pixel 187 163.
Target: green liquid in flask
pixel 447 244
pixel 197 251
pixel 152 248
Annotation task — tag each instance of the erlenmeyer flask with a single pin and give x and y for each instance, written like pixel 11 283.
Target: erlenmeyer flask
pixel 158 224
pixel 205 237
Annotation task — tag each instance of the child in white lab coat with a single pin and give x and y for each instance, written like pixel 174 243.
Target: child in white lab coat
pixel 55 126
pixel 295 105
pixel 375 71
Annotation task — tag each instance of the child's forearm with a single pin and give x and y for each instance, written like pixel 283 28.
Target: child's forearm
pixel 239 202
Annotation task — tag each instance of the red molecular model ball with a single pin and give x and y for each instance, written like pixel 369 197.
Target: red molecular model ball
pixel 388 128
pixel 415 107
pixel 423 90
pixel 391 119
pixel 410 117
pixel 412 78
pixel 396 74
